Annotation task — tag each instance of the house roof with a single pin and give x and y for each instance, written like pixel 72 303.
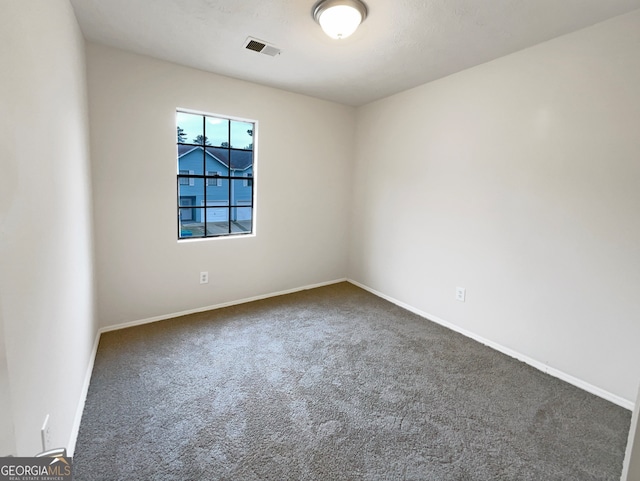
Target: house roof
pixel 240 159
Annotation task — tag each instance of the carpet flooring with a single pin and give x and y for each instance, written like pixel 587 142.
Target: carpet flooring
pixel 332 384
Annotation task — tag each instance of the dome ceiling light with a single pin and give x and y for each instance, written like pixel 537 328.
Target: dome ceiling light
pixel 339 18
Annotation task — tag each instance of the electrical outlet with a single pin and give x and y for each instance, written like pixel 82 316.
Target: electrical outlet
pixel 204 278
pixel 460 294
pixel 45 434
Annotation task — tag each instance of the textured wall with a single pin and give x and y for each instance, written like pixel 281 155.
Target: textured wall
pixel 303 158
pixel 518 180
pixel 46 267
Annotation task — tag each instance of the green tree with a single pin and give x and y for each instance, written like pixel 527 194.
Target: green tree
pixel 182 137
pixel 250 146
pixel 201 139
pixel 225 145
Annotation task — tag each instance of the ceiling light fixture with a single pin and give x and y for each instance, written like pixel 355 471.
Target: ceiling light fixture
pixel 339 18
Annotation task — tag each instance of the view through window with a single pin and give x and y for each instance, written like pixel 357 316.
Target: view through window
pixel 215 180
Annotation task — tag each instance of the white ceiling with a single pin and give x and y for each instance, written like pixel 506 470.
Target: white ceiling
pixel 402 43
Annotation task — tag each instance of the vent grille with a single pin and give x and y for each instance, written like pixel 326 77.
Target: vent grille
pixel 261 47
pixel 255 45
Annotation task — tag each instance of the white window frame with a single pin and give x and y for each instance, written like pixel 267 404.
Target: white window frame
pixel 251 232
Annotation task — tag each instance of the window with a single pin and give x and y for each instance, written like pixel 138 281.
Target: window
pixel 214 182
pixel 215 172
pixel 186 180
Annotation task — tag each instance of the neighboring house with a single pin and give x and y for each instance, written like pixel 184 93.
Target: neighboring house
pixel 221 192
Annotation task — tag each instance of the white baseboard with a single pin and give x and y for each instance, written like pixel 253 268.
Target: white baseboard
pixel 71 447
pixel 505 350
pixel 164 317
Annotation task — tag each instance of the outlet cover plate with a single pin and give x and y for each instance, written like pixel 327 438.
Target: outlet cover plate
pixel 45 434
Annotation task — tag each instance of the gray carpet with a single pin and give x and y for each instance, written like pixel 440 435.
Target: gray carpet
pixel 330 384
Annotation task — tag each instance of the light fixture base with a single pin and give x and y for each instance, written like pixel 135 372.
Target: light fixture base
pixel 339 18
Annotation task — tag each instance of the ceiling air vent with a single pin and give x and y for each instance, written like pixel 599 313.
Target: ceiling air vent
pixel 261 47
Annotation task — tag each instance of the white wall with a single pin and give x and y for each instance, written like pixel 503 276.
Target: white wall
pixel 46 276
pixel 304 152
pixel 519 180
pixel 7 431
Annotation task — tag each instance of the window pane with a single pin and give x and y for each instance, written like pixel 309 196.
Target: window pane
pixel 241 194
pixel 241 163
pixel 217 220
pixel 190 159
pixel 241 219
pixel 217 159
pixel 241 135
pixel 217 214
pixel 217 192
pixel 189 128
pixel 194 188
pixel 191 223
pixel 217 131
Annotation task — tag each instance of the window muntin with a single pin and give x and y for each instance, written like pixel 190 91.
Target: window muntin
pixel 215 172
